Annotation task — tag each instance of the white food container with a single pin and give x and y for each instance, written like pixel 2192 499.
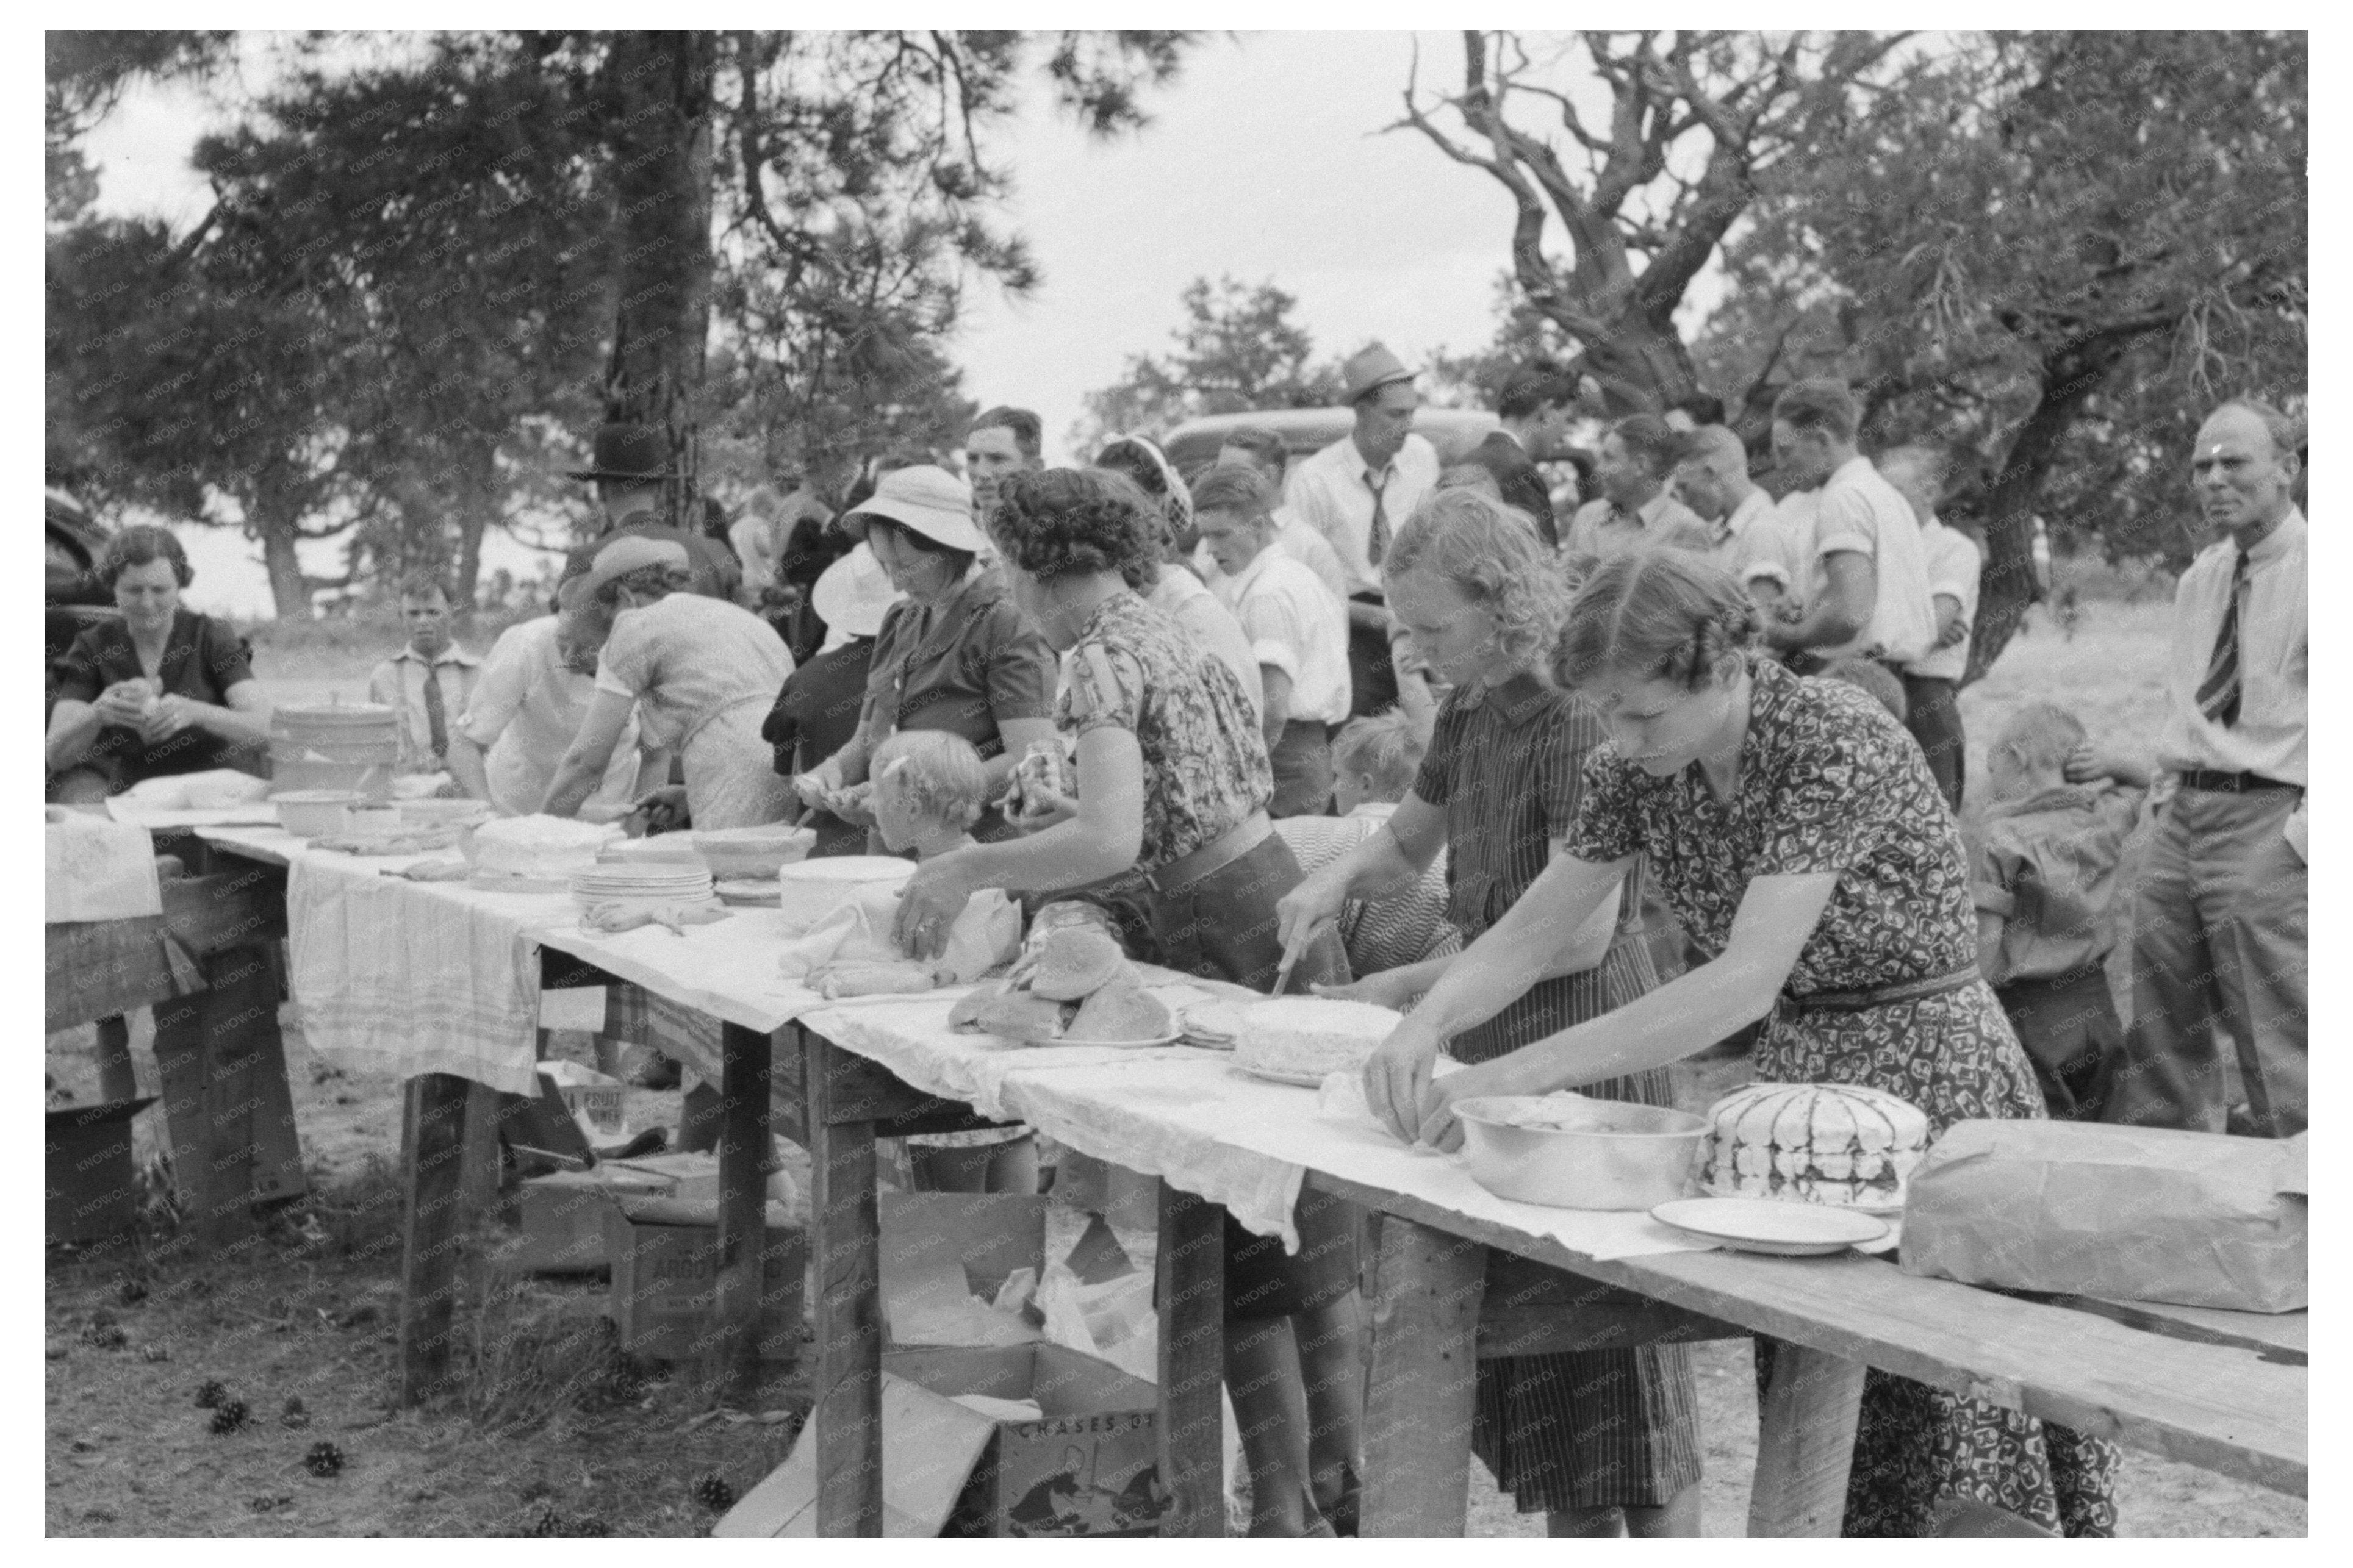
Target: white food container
pixel 1612 1155
pixel 308 813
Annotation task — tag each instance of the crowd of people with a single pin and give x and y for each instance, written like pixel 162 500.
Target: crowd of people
pixel 1406 723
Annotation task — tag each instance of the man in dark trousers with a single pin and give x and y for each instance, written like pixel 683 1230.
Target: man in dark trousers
pixel 630 466
pixel 1535 406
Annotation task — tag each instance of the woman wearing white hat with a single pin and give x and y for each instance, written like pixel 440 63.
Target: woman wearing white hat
pixel 955 654
pixel 817 712
pixel 699 672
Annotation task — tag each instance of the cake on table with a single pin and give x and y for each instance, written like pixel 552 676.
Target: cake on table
pixel 1814 1142
pixel 1308 1037
pixel 545 850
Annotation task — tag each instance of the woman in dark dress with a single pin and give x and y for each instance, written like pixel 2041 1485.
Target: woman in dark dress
pixel 817 712
pixel 1174 782
pixel 1590 1437
pixel 165 691
pixel 1800 837
pixel 955 655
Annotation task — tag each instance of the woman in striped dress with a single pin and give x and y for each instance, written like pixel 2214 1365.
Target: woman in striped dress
pixel 1590 1437
pixel 1798 837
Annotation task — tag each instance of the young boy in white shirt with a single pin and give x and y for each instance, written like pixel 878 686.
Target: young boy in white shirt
pixel 1294 635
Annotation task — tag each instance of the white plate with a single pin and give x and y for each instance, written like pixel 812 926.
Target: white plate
pixel 1296 1079
pixel 749 892
pixel 1771 1226
pixel 1169 1038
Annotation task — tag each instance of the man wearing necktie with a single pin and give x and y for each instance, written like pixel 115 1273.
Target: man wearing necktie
pixel 2220 941
pixel 1357 492
pixel 427 682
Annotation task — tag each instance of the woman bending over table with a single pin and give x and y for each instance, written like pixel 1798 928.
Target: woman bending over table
pixel 1798 837
pixel 1174 782
pixel 699 672
pixel 1591 1438
pixel 165 691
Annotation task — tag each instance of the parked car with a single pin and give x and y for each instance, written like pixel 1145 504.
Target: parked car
pixel 1304 431
pixel 73 598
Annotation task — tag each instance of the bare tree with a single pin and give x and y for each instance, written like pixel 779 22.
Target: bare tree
pixel 1619 196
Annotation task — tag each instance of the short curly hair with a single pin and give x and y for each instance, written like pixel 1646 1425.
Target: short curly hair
pixel 1656 615
pixel 139 545
pixel 937 770
pixel 656 579
pixel 1489 555
pixel 1059 523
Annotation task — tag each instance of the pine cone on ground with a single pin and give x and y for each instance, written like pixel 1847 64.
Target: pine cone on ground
pixel 590 1526
pixel 713 1493
pixel 209 1393
pixel 230 1417
pixel 546 1523
pixel 324 1460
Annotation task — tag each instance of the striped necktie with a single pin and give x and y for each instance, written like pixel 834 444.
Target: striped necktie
pixel 2218 694
pixel 1378 545
pixel 436 716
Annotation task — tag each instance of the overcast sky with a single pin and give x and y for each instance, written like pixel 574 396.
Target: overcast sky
pixel 1264 161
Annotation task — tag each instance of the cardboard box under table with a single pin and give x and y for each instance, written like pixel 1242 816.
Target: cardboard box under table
pixel 666 1265
pixel 562 1215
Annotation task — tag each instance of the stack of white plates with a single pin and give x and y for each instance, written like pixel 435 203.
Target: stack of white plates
pixel 649 883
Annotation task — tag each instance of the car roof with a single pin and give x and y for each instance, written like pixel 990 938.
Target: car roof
pixel 1453 431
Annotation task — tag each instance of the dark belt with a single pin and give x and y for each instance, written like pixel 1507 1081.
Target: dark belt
pixel 1883 996
pixel 1213 857
pixel 2228 784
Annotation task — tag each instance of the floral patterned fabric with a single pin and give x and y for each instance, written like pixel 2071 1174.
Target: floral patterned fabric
pixel 1831 782
pixel 1205 765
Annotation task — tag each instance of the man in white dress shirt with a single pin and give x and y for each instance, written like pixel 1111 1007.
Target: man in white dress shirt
pixel 1712 479
pixel 1932 683
pixel 1866 589
pixel 1303 659
pixel 1256 446
pixel 2220 944
pixel 1636 510
pixel 1357 492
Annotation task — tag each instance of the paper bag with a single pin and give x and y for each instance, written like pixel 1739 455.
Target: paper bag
pixel 100 869
pixel 2144 1214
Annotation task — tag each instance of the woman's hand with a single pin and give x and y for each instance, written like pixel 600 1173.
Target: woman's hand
pixel 169 716
pixel 1042 809
pixel 1314 902
pixel 819 782
pixel 929 904
pixel 124 703
pixel 1392 988
pixel 1440 1128
pixel 1397 1078
pixel 854 804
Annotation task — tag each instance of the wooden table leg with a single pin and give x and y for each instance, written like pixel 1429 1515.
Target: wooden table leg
pixel 1190 1286
pixel 743 1156
pixel 846 1258
pixel 204 1047
pixel 432 1146
pixel 1423 1384
pixel 1805 1443
pixel 479 1164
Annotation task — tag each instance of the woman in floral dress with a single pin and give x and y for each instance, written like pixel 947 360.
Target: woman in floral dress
pixel 1174 783
pixel 1798 837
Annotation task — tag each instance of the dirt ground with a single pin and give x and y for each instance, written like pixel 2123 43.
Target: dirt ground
pixel 558 1432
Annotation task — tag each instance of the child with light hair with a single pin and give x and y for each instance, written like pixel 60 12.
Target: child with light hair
pixel 2044 868
pixel 1373 764
pixel 930 787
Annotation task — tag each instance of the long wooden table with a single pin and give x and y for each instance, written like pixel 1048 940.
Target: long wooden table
pixel 2224 1391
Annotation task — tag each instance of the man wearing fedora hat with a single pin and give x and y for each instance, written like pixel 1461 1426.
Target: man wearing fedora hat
pixel 630 466
pixel 1357 492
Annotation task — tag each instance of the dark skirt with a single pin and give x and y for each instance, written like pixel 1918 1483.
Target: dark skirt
pixel 1615 1428
pixel 1223 928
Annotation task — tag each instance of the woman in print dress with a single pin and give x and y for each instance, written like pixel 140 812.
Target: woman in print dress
pixel 1798 837
pixel 1174 783
pixel 1593 1438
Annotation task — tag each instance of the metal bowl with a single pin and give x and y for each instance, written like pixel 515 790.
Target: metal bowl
pixel 1613 1155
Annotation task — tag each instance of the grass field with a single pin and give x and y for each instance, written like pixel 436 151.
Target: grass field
pixel 557 1420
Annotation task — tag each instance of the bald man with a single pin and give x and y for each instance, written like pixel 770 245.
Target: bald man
pixel 2220 939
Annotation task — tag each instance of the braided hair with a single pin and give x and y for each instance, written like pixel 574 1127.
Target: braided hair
pixel 1656 615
